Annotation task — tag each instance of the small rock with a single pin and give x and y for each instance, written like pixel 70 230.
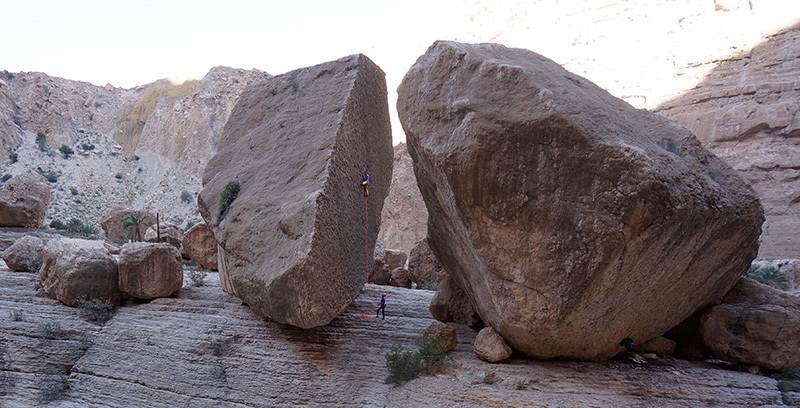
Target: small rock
pixel 489 346
pixel 447 333
pixel 25 255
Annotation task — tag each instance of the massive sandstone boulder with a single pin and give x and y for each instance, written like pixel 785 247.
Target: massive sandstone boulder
pixel 113 221
pixel 23 201
pixel 149 270
pixel 200 245
pixel 293 241
pixel 25 255
pixel 75 270
pixel 754 324
pixel 570 219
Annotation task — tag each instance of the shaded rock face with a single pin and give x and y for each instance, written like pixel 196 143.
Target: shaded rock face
pixel 380 272
pixel 754 324
pixel 422 263
pixel 150 270
pixel 23 201
pixel 489 346
pixel 746 112
pixel 25 255
pixel 200 246
pixel 570 219
pixel 77 269
pixel 444 333
pixel 450 304
pixel 170 233
pixel 113 221
pixel 299 144
pixel 400 278
pixel 404 220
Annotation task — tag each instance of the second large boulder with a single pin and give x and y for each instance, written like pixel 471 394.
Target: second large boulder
pixel 297 240
pixel 571 220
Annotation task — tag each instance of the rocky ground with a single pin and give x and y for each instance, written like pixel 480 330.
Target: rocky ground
pixel 203 347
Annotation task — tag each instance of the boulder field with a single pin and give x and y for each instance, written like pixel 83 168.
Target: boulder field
pixel 293 241
pixel 571 219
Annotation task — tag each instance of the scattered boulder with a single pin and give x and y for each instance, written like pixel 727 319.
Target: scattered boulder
pixel 754 324
pixel 294 236
pixel 423 267
pixel 490 346
pixel 149 270
pixel 25 255
pixel 659 346
pixel 399 278
pixel 112 223
pixel 170 233
pixel 450 304
pixel 444 332
pixel 200 246
pixel 380 274
pixel 23 201
pixel 75 270
pixel 570 219
pixel 396 258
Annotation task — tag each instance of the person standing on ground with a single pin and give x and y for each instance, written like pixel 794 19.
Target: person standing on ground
pixel 382 307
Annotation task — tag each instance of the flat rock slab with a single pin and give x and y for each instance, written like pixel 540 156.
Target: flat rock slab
pixel 293 241
pixel 570 219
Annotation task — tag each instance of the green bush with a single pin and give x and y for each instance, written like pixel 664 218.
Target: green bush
pixel 41 141
pixel 226 198
pixel 66 151
pixel 405 365
pixel 73 190
pixel 197 276
pixel 57 224
pixel 51 330
pixel 96 310
pixel 77 226
pixel 118 176
pixel 5 177
pixel 186 197
pixel 13 156
pixel 50 176
pixel 87 146
pixel 8 75
pixel 769 275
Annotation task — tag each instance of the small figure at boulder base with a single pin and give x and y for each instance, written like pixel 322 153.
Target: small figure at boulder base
pixel 627 342
pixel 382 308
pixel 365 183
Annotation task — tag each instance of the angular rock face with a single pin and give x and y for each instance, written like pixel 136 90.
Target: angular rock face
pixel 570 219
pixel 442 332
pixel 170 233
pixel 150 270
pixel 25 255
pixel 450 304
pixel 200 246
pixel 113 221
pixel 78 269
pixel 754 324
pixel 299 144
pixel 23 201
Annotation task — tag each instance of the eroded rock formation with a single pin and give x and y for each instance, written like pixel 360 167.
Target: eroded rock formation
pixel 570 219
pixel 299 144
pixel 23 201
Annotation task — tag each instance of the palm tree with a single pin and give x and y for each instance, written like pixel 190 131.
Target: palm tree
pixel 134 223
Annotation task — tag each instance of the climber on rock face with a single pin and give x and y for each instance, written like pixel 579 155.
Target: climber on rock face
pixel 365 183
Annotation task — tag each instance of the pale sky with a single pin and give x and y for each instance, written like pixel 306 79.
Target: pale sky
pixel 134 43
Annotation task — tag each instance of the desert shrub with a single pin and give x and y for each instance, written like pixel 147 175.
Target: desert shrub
pixel 66 151
pixel 87 146
pixel 226 197
pixel 5 177
pixel 135 157
pixel 190 224
pixel 41 141
pixel 50 176
pixel 73 190
pixel 16 315
pixel 768 275
pixel 52 387
pixel 186 197
pixel 96 310
pixel 198 277
pixel 673 146
pixel 51 330
pixel 406 365
pixel 13 156
pixel 8 75
pixel 135 223
pixel 118 176
pixel 77 226
pixel 57 224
